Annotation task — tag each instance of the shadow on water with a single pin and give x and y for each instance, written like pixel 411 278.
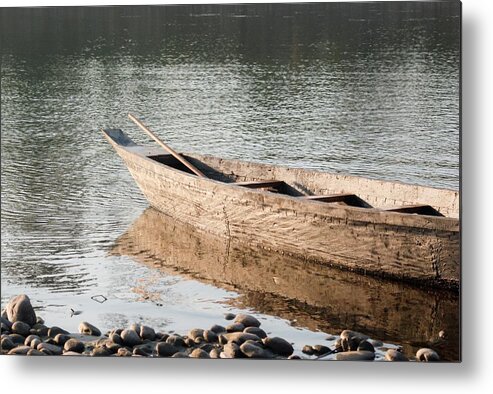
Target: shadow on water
pixel 309 295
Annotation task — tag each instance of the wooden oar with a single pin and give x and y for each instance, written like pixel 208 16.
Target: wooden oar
pixel 179 157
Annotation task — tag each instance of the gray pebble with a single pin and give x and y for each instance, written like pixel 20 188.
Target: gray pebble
pixel 199 353
pixel 5 321
pixel 427 355
pixel 195 332
pixel 227 316
pixel 165 349
pixel 206 347
pixel 395 355
pixel 130 338
pixel 231 350
pixel 214 353
pixel 176 340
pixel 189 342
pixel 217 329
pixel 7 343
pixel 255 350
pixel 115 338
pixel 35 352
pixel 331 338
pixel 235 327
pixel 255 331
pixel 50 349
pixel 73 345
pixel 20 350
pixel 88 329
pixel 365 345
pixel 357 355
pixel 307 349
pixel 72 354
pixel 16 338
pixel 247 320
pixel 138 351
pixel 147 333
pixel 239 337
pixel 40 329
pixel 53 331
pixel 320 349
pixel 180 355
pixel 100 351
pixel 21 328
pixel 30 338
pixel 210 336
pixel 124 352
pixel 60 339
pixel 35 342
pixel 279 346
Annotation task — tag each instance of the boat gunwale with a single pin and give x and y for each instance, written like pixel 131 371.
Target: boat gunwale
pixel 409 220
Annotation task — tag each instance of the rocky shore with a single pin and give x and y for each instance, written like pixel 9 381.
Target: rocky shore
pixel 24 333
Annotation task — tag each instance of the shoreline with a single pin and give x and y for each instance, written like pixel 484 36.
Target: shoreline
pixel 24 333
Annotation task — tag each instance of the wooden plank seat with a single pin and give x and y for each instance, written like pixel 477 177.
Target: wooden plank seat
pixel 417 209
pixel 262 184
pixel 343 199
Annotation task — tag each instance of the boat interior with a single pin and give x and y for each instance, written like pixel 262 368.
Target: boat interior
pixel 282 187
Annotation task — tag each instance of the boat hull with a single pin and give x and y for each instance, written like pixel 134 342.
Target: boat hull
pixel 407 247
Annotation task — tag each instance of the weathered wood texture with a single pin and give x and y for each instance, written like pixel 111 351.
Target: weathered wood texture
pixel 405 246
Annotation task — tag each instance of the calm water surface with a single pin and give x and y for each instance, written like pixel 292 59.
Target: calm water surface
pixel 367 89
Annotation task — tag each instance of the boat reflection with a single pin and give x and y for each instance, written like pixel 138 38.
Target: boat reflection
pixel 309 295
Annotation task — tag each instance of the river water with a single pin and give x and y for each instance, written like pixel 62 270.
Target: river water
pixel 366 89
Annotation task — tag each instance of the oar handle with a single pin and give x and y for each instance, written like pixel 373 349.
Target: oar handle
pixel 179 157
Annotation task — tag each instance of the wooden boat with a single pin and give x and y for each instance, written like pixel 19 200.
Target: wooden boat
pixel 310 295
pixel 406 232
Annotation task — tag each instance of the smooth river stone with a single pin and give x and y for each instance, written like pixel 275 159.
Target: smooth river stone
pixel 73 345
pixel 100 351
pixel 60 339
pixel 427 355
pixel 54 331
pixel 199 353
pixel 115 338
pixel 35 342
pixel 255 331
pixel 35 352
pixel 88 329
pixel 176 340
pixel 20 350
pixel 214 353
pixel 124 352
pixel 19 308
pixel 350 340
pixel 229 316
pixel 21 328
pixel 320 349
pixel 356 355
pixel 130 338
pixel 7 343
pixel 247 320
pixel 17 339
pixel 218 329
pixel 147 333
pixel 279 346
pixel 210 336
pixel 235 327
pixel 165 349
pixel 255 350
pixel 31 338
pixel 5 321
pixel 240 337
pixel 195 333
pixel 395 355
pixel 50 349
pixel 365 345
pixel 40 330
pixel 231 350
pixel 308 349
